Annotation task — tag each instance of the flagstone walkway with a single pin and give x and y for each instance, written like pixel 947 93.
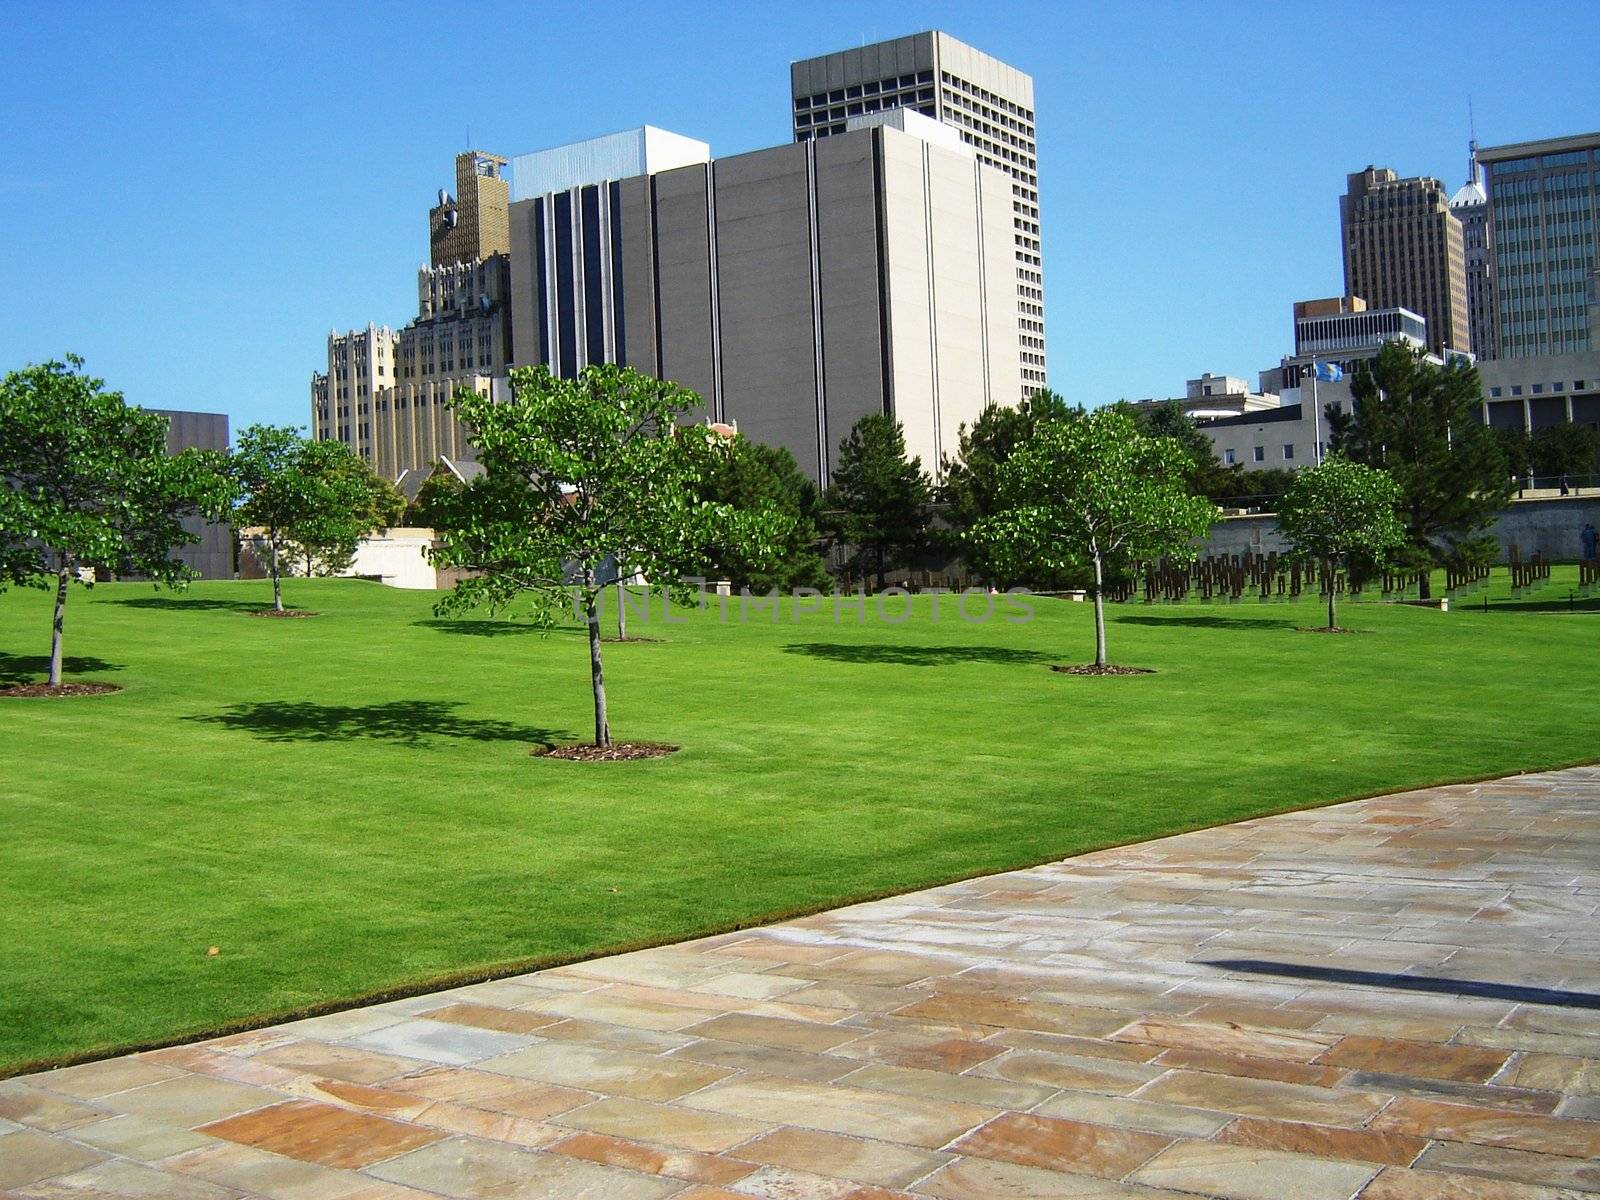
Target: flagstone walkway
pixel 1397 999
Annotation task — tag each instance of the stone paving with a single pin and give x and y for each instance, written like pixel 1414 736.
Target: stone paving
pixel 1397 999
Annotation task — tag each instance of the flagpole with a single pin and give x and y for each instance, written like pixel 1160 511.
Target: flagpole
pixel 1316 420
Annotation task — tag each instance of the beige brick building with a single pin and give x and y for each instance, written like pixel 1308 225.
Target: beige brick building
pixel 385 394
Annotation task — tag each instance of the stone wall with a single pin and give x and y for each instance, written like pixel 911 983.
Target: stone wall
pixel 1544 526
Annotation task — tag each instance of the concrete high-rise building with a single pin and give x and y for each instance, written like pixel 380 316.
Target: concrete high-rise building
pixel 1470 205
pixel 386 395
pixel 988 102
pixel 1544 206
pixel 796 289
pixel 1403 249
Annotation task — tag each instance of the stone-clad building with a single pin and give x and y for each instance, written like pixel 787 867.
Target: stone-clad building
pixel 987 102
pixel 796 289
pixel 386 394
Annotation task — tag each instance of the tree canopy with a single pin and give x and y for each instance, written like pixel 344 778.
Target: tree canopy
pixel 741 474
pixel 972 475
pixel 878 502
pixel 86 483
pixel 1340 513
pixel 579 471
pixel 1421 422
pixel 311 499
pixel 1094 491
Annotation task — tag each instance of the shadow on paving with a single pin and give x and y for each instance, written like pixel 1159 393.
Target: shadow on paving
pixel 1519 992
pixel 411 721
pixel 33 668
pixel 1197 621
pixel 192 603
pixel 915 656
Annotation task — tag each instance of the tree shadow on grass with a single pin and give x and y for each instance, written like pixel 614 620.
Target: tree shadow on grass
pixel 915 656
pixel 414 722
pixel 479 628
pixel 1576 606
pixel 30 668
pixel 1196 621
pixel 192 603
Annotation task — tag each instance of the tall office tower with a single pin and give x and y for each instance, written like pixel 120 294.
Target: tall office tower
pixel 796 289
pixel 1403 249
pixel 989 103
pixel 461 337
pixel 360 371
pixel 1544 205
pixel 1471 207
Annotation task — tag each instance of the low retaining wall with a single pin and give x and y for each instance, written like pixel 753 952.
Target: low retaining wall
pixel 1545 526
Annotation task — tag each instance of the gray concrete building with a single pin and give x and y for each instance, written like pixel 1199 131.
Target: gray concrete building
pixel 1544 207
pixel 795 289
pixel 1534 393
pixel 990 105
pixel 212 556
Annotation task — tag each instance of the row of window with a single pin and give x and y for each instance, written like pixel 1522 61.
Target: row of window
pixel 1537 389
pixel 860 90
pixel 1258 454
pixel 988 97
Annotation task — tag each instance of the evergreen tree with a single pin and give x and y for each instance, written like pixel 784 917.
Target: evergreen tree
pixel 1421 422
pixel 878 503
pixel 751 476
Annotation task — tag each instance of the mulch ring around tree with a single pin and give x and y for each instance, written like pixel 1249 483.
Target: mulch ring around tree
pixel 1092 669
pixel 45 691
pixel 287 612
pixel 1325 629
pixel 611 641
pixel 616 752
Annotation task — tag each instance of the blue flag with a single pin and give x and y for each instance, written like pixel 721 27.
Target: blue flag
pixel 1327 372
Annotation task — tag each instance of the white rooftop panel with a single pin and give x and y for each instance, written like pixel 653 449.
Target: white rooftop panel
pixel 631 152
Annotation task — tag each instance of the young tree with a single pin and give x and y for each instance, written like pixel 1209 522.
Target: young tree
pixel 357 502
pixel 1421 422
pixel 1339 513
pixel 1094 491
pixel 878 503
pixel 313 498
pixel 972 476
pixel 749 475
pixel 85 482
pixel 577 471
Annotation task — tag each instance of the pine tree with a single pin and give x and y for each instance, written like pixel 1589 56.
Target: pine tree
pixel 878 504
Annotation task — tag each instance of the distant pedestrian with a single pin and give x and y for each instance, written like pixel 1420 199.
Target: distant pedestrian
pixel 1590 541
pixel 1566 486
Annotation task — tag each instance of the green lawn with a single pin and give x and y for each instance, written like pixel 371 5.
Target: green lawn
pixel 347 805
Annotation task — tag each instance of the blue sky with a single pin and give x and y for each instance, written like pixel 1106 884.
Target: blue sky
pixel 197 192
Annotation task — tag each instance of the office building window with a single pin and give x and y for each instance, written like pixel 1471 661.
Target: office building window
pixel 1288 451
pixel 1228 457
pixel 1260 454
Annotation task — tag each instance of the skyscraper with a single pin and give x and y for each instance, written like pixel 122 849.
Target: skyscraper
pixel 386 395
pixel 1544 203
pixel 1403 249
pixel 989 103
pixel 1470 205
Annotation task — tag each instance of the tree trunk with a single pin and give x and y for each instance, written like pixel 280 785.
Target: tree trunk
pixel 63 578
pixel 277 582
pixel 597 677
pixel 1425 585
pixel 622 609
pixel 1099 615
pixel 882 570
pixel 1333 580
